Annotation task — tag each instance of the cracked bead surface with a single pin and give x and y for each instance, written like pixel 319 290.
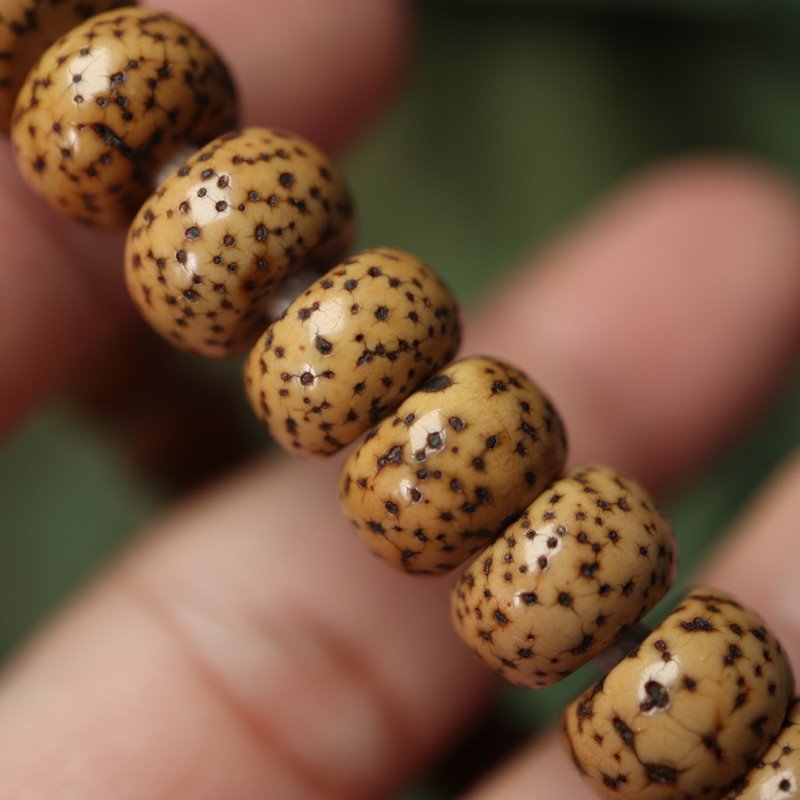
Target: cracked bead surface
pixel 27 29
pixel 458 460
pixel 583 563
pixel 208 246
pixel 685 713
pixel 349 349
pixel 776 776
pixel 110 105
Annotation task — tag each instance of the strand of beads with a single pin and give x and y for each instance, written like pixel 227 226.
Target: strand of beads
pixel 128 116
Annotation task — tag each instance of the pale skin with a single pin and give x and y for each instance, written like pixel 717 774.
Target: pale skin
pixel 201 664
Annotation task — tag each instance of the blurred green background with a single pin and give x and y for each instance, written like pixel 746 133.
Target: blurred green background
pixel 517 116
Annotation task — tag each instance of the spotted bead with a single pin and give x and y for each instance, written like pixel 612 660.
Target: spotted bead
pixel 458 460
pixel 216 237
pixel 349 349
pixel 582 564
pixel 776 775
pixel 27 29
pixel 113 103
pixel 681 716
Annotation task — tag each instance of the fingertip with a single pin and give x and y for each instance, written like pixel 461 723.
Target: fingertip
pixel 667 319
pixel 317 68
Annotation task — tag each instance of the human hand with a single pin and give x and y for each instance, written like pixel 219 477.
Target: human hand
pixel 249 648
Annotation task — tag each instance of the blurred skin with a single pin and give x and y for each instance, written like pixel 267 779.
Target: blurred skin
pixel 248 647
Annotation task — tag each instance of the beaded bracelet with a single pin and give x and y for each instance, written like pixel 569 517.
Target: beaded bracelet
pixel 128 117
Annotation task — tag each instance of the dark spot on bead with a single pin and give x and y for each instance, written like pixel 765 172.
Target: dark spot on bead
pixel 697 624
pixel 437 384
pixel 323 345
pixel 625 733
pixel 661 774
pixel 192 233
pixel 657 696
pixel 733 653
pixel 434 440
pixel 286 178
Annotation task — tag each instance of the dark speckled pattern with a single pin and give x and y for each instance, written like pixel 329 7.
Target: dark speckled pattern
pixel 453 466
pixel 585 561
pixel 680 717
pixel 110 104
pixel 213 241
pixel 349 349
pixel 776 776
pixel 27 29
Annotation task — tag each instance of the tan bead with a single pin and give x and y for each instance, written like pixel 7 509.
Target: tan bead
pixel 27 29
pixel 585 561
pixel 350 349
pixel 684 713
pixel 113 103
pixel 776 776
pixel 458 460
pixel 220 232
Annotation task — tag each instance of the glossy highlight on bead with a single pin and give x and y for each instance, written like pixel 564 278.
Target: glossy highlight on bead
pixel 225 228
pixel 110 104
pixel 349 349
pixel 682 716
pixel 458 460
pixel 582 564
pixel 27 29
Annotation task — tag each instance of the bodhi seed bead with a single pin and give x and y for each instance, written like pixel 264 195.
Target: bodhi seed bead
pixel 583 563
pixel 349 349
pixel 457 461
pixel 776 775
pixel 27 29
pixel 217 236
pixel 110 104
pixel 685 713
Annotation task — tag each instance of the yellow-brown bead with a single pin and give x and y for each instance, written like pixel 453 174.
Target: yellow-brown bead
pixel 349 349
pixel 209 245
pixel 457 461
pixel 27 29
pixel 111 105
pixel 681 716
pixel 776 776
pixel 582 564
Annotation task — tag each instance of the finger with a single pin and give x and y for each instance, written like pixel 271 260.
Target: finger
pixel 759 563
pixel 62 283
pixel 662 308
pixel 252 649
pixel 319 69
